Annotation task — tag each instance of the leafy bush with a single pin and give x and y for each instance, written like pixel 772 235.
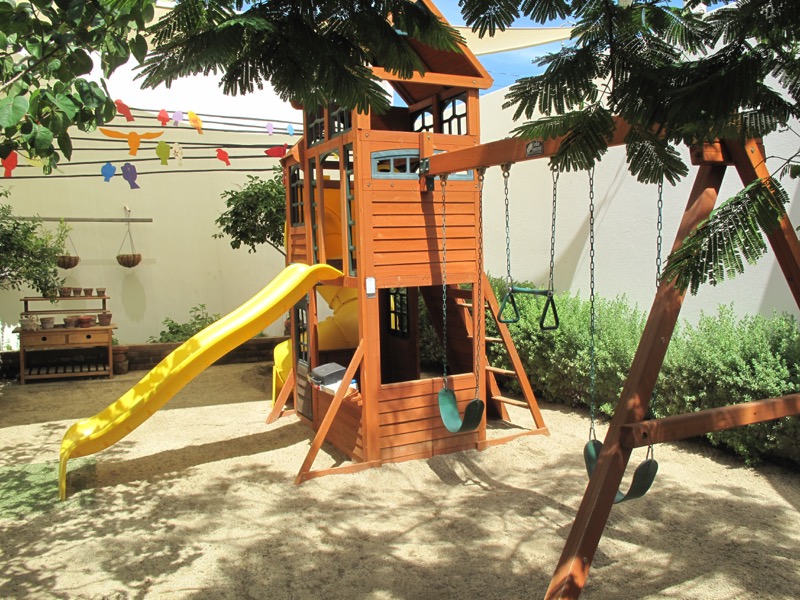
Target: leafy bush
pixel 199 319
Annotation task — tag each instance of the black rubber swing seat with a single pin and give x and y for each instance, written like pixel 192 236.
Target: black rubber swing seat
pixel 643 476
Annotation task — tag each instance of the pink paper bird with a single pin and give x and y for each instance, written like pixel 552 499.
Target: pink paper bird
pixel 9 164
pixel 223 156
pixel 123 109
pixel 163 117
pixel 277 151
pixel 177 117
pixel 133 138
pixel 129 174
pixel 196 122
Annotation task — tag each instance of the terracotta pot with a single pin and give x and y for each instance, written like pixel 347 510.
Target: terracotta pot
pixel 70 322
pixel 120 367
pixel 67 262
pixel 87 291
pixel 64 291
pixel 104 319
pixel 76 291
pixel 86 321
pixel 47 322
pixel 100 291
pixel 129 260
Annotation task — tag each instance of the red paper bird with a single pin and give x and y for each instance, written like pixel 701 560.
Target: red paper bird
pixel 277 151
pixel 223 156
pixel 9 164
pixel 134 138
pixel 163 117
pixel 123 109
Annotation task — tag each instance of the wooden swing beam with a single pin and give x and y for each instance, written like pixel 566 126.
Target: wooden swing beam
pixel 628 428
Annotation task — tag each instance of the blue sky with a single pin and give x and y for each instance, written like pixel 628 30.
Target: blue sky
pixel 507 67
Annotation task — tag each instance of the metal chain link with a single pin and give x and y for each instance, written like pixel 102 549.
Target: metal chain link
pixel 444 278
pixel 479 311
pixel 592 382
pixel 506 175
pixel 551 286
pixel 659 227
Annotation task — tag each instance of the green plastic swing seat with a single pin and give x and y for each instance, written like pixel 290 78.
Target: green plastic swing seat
pixel 643 476
pixel 448 410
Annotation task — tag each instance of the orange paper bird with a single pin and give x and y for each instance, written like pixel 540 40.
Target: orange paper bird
pixel 276 151
pixel 163 117
pixel 9 164
pixel 134 138
pixel 123 109
pixel 195 122
pixel 223 156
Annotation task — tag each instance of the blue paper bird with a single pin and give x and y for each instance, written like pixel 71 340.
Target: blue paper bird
pixel 107 171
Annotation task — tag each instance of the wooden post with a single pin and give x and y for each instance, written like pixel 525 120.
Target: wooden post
pixel 587 529
pixel 286 391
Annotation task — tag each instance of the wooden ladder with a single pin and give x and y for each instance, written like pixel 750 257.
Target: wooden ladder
pixel 492 373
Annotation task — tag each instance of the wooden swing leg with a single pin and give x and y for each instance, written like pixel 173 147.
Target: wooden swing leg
pixel 587 529
pixel 286 391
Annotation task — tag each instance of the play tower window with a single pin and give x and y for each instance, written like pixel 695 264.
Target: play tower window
pixel 315 126
pixel 398 312
pixel 301 329
pixel 454 115
pixel 296 196
pixel 395 164
pixel 339 120
pixel 422 120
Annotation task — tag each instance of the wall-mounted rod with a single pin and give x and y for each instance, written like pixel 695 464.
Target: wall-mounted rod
pixel 85 219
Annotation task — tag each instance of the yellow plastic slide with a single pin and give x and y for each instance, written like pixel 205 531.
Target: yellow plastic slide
pixel 187 361
pixel 337 332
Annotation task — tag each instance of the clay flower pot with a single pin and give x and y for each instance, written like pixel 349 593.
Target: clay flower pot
pixel 70 322
pixel 64 291
pixel 65 261
pixel 86 321
pixel 87 291
pixel 129 260
pixel 104 319
pixel 47 322
pixel 100 291
pixel 76 291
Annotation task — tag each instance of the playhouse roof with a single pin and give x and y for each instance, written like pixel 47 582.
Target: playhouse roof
pixel 444 70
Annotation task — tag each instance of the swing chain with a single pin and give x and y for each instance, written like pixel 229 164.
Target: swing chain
pixel 659 226
pixel 479 313
pixel 592 382
pixel 443 178
pixel 506 167
pixel 551 286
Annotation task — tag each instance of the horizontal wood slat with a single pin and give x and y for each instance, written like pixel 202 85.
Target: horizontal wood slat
pixel 422 258
pixel 398 231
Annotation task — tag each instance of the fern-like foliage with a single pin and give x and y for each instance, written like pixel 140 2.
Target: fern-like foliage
pixel 731 236
pixel 311 52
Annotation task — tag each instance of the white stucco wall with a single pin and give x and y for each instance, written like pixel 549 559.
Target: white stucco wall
pixel 182 265
pixel 625 227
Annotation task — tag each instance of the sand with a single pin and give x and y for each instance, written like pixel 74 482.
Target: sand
pixel 199 502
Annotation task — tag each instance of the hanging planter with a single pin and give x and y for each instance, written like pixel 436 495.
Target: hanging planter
pixel 67 261
pixel 129 260
pixel 132 258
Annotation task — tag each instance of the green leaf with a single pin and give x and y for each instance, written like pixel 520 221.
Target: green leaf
pixel 64 103
pixel 80 62
pixel 138 47
pixel 12 109
pixel 65 145
pixel 40 138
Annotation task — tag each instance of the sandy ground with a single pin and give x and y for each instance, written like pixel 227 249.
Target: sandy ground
pixel 199 503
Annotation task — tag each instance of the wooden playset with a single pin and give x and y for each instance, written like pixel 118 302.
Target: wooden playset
pixel 407 186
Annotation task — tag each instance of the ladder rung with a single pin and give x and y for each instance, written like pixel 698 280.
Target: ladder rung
pixel 500 371
pixel 511 401
pixel 494 340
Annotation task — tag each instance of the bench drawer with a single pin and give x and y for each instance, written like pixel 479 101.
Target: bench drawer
pixel 42 339
pixel 90 338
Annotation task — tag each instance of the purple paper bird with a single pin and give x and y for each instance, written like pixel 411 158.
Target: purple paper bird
pixel 129 174
pixel 177 117
pixel 270 128
pixel 107 171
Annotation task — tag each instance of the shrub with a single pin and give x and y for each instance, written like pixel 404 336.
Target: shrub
pixel 199 319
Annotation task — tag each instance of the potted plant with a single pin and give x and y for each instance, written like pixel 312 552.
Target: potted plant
pixel 119 355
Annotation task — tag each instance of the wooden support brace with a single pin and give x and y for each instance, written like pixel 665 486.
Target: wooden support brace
pixel 678 427
pixel 286 391
pixel 587 529
pixel 327 421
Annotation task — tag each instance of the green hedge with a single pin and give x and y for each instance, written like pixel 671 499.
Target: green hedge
pixel 722 360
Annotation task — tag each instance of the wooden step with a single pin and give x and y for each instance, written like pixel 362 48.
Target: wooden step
pixel 500 371
pixel 511 401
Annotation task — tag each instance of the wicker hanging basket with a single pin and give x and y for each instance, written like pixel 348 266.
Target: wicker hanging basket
pixel 67 261
pixel 129 260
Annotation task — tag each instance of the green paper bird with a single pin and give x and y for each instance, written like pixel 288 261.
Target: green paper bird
pixel 162 151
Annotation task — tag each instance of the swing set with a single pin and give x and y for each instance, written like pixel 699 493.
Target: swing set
pixel 630 427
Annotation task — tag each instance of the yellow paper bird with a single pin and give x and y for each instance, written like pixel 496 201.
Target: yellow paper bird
pixel 196 122
pixel 133 138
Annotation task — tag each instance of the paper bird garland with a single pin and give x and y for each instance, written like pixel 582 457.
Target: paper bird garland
pixel 196 122
pixel 162 151
pixel 9 164
pixel 123 109
pixel 133 138
pixel 129 174
pixel 223 156
pixel 107 171
pixel 163 117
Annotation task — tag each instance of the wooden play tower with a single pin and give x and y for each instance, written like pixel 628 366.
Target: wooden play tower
pixel 355 202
